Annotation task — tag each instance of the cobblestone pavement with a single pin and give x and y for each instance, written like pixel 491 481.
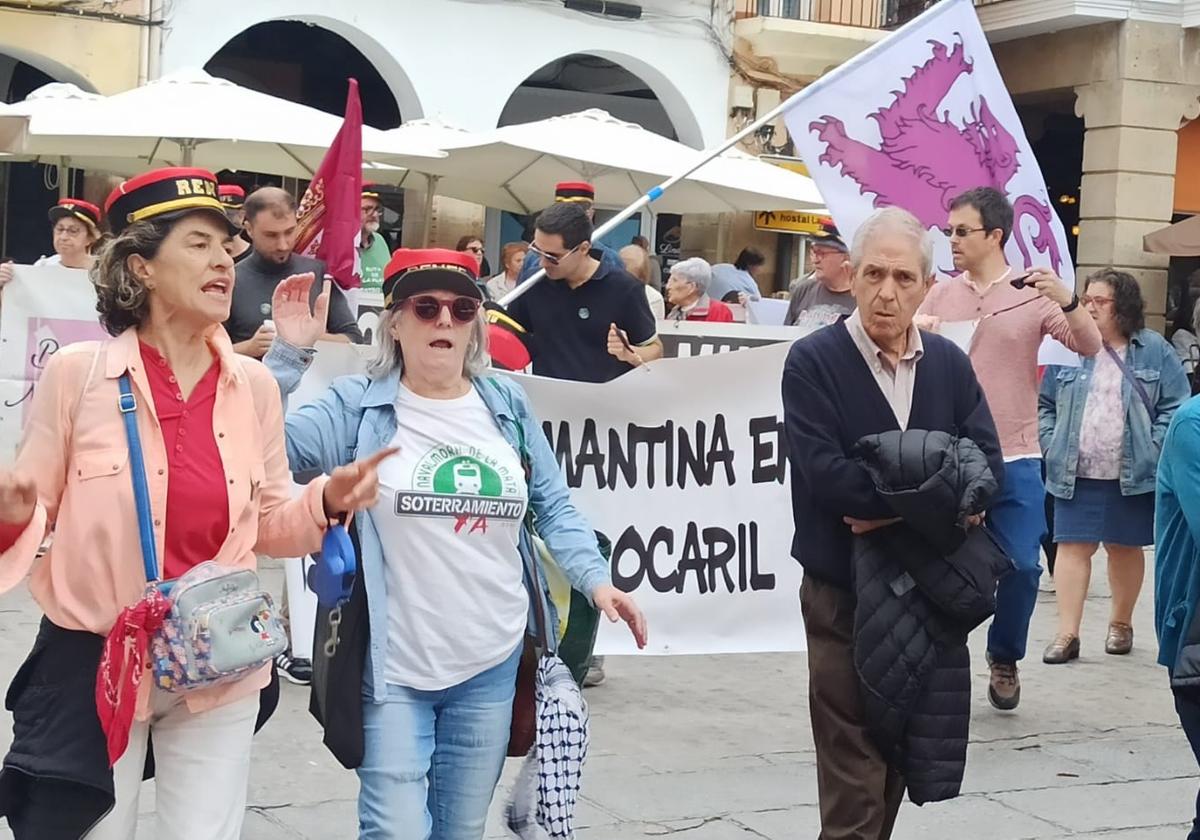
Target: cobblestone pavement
pixel 719 748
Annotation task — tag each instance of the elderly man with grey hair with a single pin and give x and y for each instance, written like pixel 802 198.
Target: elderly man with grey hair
pixel 687 293
pixel 871 373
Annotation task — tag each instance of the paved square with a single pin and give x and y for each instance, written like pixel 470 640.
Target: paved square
pixel 719 748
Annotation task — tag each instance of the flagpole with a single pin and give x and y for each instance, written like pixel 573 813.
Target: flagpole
pixel 655 193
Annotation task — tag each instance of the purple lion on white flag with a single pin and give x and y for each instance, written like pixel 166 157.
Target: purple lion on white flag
pixel 918 119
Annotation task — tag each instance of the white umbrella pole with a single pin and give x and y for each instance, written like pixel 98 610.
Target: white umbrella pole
pixel 656 192
pixel 64 177
pixel 430 188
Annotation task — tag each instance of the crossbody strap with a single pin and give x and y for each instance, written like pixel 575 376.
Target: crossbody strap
pixel 1133 380
pixel 127 403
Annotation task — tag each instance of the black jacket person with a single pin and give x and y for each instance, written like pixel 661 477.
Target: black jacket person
pixel 873 372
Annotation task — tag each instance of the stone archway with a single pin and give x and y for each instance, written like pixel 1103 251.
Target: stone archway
pixel 292 58
pixel 628 87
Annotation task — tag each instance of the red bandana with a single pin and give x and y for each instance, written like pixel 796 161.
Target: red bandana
pixel 122 666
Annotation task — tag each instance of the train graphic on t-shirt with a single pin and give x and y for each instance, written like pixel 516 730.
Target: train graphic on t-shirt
pixel 467 478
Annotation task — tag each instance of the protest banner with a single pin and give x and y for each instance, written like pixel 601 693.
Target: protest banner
pixel 918 119
pixel 683 466
pixel 41 310
pixel 702 338
pixel 688 481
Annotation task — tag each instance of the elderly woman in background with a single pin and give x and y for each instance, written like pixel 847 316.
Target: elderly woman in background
pixel 1102 426
pixel 637 263
pixel 446 588
pixel 687 293
pixel 76 232
pixel 512 257
pixel 211 428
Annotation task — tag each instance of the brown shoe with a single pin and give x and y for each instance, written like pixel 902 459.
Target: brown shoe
pixel 1120 639
pixel 1063 649
pixel 1004 688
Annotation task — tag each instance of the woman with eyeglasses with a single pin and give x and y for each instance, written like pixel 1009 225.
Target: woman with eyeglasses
pixel 473 247
pixel 1102 426
pixel 445 550
pixel 76 234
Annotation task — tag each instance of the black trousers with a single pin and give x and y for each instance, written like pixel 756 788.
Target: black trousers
pixel 1187 705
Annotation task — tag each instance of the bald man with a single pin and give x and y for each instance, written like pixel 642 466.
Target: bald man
pixel 271 225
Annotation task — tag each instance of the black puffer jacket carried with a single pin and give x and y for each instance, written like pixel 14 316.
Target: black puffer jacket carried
pixel 922 585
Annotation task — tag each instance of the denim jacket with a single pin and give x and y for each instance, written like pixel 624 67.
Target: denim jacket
pixel 357 416
pixel 1064 395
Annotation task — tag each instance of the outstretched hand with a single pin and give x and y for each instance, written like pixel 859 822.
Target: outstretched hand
pixel 620 606
pixel 1048 285
pixel 296 321
pixel 354 486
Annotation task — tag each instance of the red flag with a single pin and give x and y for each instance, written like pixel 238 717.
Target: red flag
pixel 330 214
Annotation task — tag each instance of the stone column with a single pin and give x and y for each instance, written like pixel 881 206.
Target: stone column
pixel 1128 184
pixel 451 219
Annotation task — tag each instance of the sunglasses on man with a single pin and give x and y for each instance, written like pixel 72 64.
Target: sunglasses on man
pixel 960 231
pixel 552 259
pixel 428 308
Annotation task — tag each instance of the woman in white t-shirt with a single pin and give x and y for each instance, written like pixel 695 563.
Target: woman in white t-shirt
pixel 445 552
pixel 76 233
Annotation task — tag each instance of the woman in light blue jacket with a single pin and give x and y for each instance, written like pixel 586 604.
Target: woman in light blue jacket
pixel 444 550
pixel 1102 426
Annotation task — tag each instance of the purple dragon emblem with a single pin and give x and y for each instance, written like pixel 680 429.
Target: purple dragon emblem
pixel 924 160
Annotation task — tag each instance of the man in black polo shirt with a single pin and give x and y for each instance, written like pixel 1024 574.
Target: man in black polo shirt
pixel 271 223
pixel 588 321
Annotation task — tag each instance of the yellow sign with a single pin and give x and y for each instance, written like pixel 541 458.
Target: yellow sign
pixel 792 164
pixel 788 221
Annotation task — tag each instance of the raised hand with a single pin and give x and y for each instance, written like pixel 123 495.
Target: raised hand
pixel 1049 286
pixel 296 322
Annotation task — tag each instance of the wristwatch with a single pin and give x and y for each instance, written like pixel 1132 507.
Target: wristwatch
pixel 1073 305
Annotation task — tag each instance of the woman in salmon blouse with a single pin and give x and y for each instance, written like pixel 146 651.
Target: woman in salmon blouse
pixel 211 428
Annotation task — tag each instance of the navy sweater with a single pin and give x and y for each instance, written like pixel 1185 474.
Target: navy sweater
pixel 830 401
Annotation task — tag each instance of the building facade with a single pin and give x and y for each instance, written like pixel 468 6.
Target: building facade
pixel 479 64
pixel 102 47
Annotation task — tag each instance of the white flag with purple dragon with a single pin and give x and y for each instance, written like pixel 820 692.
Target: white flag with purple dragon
pixel 916 120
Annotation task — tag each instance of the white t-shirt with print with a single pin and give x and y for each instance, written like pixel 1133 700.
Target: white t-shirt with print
pixel 449 516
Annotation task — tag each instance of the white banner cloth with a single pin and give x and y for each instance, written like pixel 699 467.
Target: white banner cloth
pixel 43 308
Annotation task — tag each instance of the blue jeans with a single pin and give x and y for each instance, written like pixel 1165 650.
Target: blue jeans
pixel 432 759
pixel 1018 520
